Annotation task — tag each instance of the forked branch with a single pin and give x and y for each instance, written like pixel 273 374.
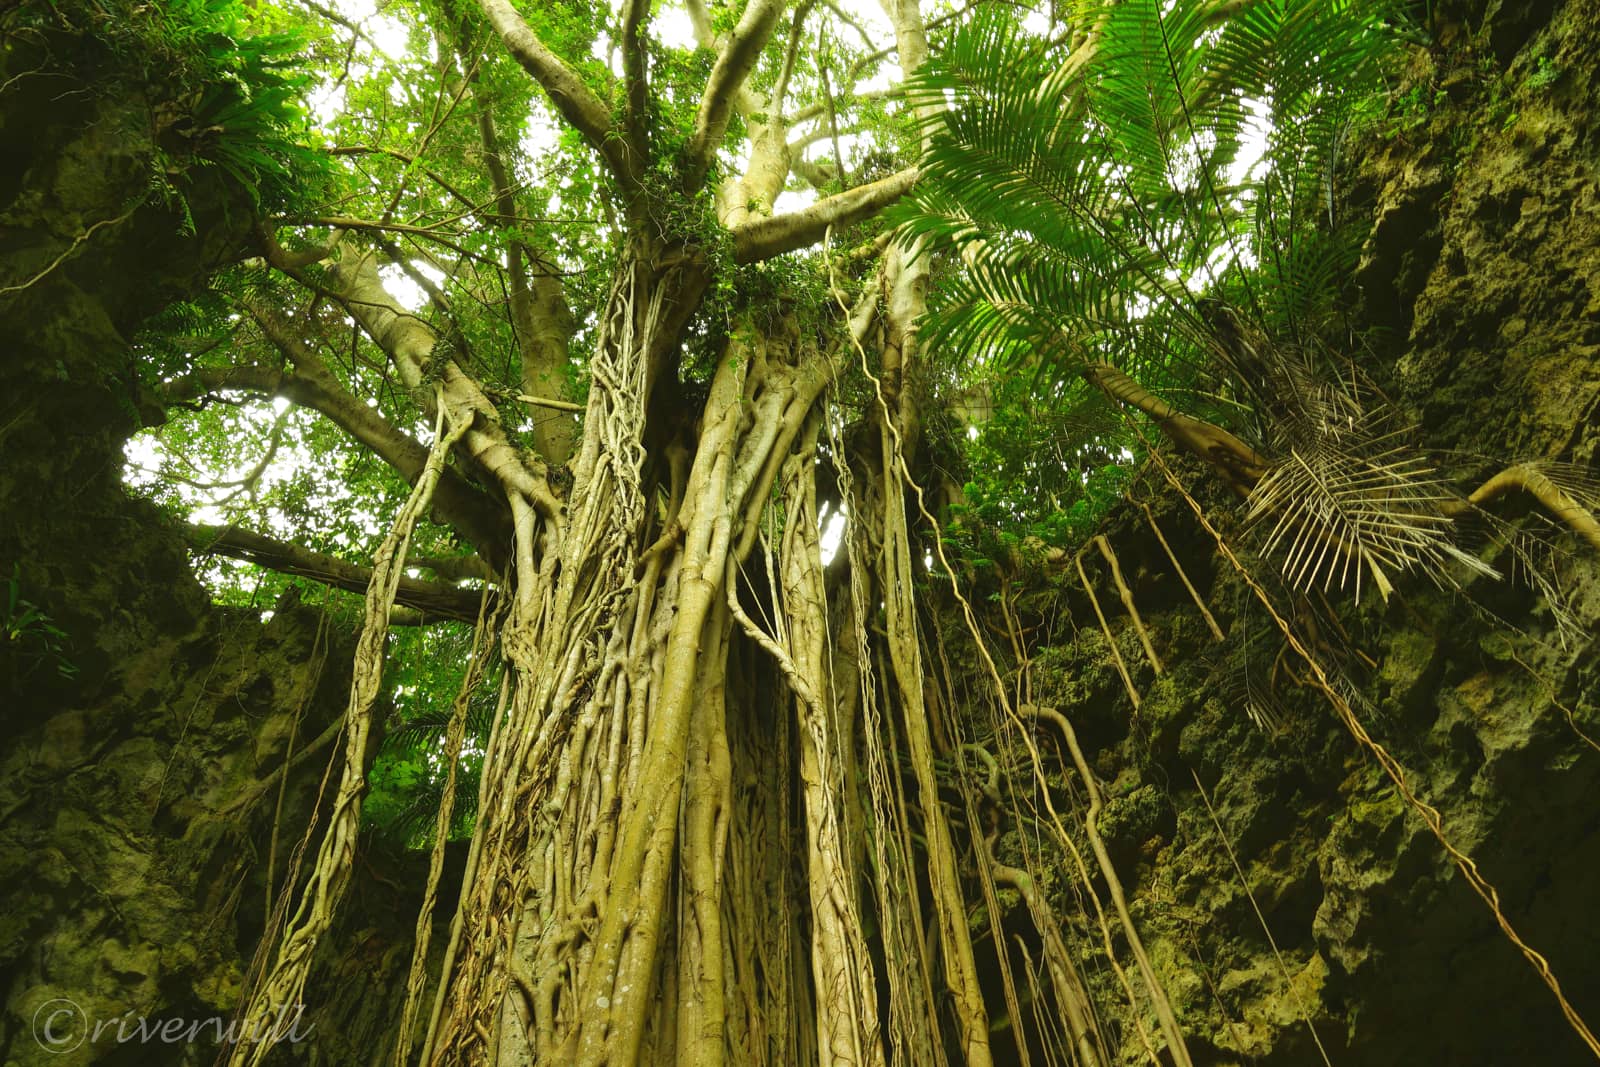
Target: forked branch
pixel 733 67
pixel 576 102
pixel 311 385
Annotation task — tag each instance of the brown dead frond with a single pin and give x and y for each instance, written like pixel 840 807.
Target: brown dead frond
pixel 1350 497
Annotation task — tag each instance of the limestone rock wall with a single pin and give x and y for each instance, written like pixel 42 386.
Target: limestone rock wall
pixel 1480 276
pixel 138 748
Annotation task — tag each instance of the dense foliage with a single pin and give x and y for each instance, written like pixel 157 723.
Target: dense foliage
pixel 1088 195
pixel 671 401
pixel 570 244
pixel 1109 194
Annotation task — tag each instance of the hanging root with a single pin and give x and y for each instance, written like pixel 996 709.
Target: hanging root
pixel 1076 1008
pixel 281 988
pixel 900 489
pixel 1216 631
pixel 1555 698
pixel 1111 642
pixel 1119 899
pixel 473 852
pixel 1127 601
pixel 482 639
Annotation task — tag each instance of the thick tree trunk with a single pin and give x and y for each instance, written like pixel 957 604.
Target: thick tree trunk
pixel 611 792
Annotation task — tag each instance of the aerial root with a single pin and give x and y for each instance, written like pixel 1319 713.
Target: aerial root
pixel 1158 996
pixel 1127 601
pixel 283 984
pixel 1183 576
pixel 1116 656
pixel 1528 478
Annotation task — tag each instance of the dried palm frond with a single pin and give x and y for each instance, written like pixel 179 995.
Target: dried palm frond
pixel 1246 674
pixel 1341 510
pixel 1540 559
pixel 1536 545
pixel 1264 709
pixel 1349 496
pixel 1576 481
pixel 1267 671
pixel 1567 492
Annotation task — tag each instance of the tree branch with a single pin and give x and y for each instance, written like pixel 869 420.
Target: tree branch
pixel 409 343
pixel 700 19
pixel 764 238
pixel 811 111
pixel 540 318
pixel 727 77
pixel 456 502
pixel 635 79
pixel 1239 465
pixel 356 28
pixel 409 160
pixel 475 515
pixel 576 102
pixel 428 233
pixel 816 175
pixel 429 598
pixel 823 131
pixel 455 568
pixel 780 90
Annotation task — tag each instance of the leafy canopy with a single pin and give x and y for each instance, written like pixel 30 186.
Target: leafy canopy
pixel 1101 190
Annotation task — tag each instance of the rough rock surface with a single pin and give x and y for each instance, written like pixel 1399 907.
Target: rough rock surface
pixel 136 791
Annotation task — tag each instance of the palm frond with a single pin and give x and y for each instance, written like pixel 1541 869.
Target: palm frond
pixel 1082 187
pixel 1351 497
pixel 414 823
pixel 1578 482
pixel 1539 563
